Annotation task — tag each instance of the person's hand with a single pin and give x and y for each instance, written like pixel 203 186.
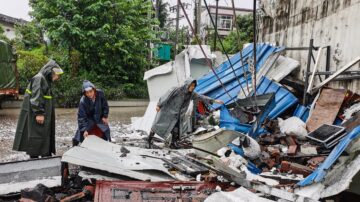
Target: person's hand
pixel 219 102
pixel 86 134
pixel 40 119
pixel 157 108
pixel 105 121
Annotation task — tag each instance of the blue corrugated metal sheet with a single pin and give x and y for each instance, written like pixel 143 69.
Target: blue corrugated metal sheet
pixel 231 123
pixel 302 112
pixel 210 86
pixel 283 98
pixel 319 174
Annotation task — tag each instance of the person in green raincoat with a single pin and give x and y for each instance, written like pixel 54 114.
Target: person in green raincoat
pixel 35 131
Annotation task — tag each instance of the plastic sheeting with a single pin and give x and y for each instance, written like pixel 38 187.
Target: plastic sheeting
pixel 210 86
pixel 7 66
pixel 320 173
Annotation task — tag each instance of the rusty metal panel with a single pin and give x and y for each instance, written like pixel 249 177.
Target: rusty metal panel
pixel 133 191
pixel 326 109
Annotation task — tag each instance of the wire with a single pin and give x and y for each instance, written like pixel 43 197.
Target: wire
pixel 222 46
pixel 202 50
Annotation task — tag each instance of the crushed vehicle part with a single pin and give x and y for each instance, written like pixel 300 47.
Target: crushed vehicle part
pixel 18 175
pixel 154 191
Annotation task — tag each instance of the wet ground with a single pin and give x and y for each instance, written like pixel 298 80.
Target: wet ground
pixel 66 125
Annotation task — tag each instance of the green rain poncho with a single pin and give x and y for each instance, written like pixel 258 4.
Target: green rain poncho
pixel 33 138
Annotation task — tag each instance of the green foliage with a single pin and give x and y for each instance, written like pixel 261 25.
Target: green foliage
pixel 111 36
pixel 163 13
pixel 230 42
pixel 28 36
pixel 183 38
pixel 29 63
pixel 2 35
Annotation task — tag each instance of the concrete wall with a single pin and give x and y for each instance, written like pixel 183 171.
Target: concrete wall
pixel 328 22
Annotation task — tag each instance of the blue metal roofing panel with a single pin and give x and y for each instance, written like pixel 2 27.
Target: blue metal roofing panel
pixel 319 174
pixel 302 112
pixel 210 86
pixel 231 123
pixel 283 98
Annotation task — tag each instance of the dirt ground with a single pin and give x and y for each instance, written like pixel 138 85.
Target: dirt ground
pixel 66 125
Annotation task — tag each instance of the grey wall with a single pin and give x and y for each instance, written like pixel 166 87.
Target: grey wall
pixel 329 22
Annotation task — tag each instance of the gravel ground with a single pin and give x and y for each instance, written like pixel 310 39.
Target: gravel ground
pixel 66 126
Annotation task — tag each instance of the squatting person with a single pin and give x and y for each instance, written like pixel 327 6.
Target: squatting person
pixel 92 114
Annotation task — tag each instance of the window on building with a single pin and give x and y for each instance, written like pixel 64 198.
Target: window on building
pixel 224 22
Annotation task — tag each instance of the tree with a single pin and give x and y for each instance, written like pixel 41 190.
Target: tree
pixel 230 42
pixel 28 36
pixel 163 13
pixel 110 36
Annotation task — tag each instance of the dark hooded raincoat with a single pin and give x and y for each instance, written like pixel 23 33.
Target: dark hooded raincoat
pixel 33 138
pixel 91 113
pixel 173 106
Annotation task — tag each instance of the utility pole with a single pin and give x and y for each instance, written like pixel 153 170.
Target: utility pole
pixel 216 20
pixel 254 50
pixel 198 17
pixel 177 27
pixel 157 9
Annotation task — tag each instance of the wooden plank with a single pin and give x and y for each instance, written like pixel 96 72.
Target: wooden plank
pixel 326 109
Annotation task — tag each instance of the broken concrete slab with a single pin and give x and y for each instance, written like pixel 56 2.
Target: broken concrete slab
pixel 15 176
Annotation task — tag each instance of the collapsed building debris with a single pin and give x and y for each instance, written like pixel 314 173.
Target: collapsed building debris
pixel 268 147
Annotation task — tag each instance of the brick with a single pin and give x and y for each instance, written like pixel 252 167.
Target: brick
pixel 292 150
pixel 295 168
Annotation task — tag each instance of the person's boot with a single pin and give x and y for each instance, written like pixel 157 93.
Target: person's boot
pixel 150 138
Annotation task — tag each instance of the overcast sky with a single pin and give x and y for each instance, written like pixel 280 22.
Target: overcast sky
pixel 20 8
pixel 15 8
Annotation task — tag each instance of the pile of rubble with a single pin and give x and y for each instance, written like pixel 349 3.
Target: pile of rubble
pixel 262 145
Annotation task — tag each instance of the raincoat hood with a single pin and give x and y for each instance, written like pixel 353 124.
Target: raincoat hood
pixel 86 85
pixel 47 69
pixel 187 83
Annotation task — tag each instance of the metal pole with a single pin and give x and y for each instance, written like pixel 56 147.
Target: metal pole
pixel 254 50
pixel 307 71
pixel 177 27
pixel 327 67
pixel 216 20
pixel 198 17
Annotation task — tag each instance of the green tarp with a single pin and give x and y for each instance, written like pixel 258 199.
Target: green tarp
pixel 7 66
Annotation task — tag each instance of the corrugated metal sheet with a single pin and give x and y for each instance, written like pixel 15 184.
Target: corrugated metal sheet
pixel 302 112
pixel 319 174
pixel 283 98
pixel 210 86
